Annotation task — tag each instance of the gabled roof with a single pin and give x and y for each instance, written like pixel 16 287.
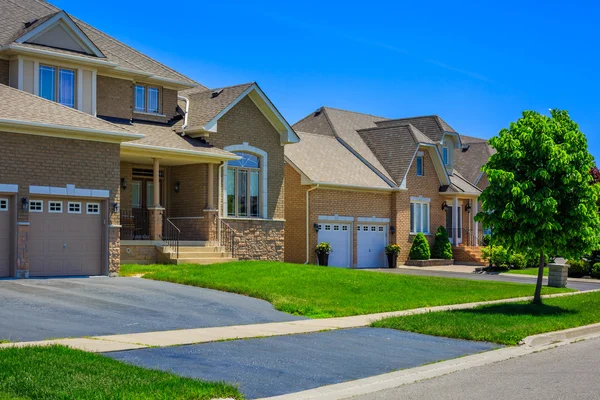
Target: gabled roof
pixel 459 184
pixel 20 17
pixel 206 107
pixel 324 160
pixel 431 125
pixel 475 154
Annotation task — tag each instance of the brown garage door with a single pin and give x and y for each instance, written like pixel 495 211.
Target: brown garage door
pixel 5 241
pixel 65 237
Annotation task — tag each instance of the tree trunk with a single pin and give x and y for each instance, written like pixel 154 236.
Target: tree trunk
pixel 537 299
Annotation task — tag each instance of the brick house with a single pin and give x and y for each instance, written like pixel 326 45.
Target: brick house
pixel 107 155
pixel 360 182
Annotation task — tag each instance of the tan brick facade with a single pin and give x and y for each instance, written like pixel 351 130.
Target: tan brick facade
pixel 4 76
pixel 55 162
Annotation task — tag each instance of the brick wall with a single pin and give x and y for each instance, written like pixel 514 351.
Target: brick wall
pixel 295 217
pixel 114 97
pixel 191 199
pixel 4 72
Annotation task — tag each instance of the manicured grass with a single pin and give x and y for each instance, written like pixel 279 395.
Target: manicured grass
pixel 526 271
pixel 321 292
pixel 503 323
pixel 61 373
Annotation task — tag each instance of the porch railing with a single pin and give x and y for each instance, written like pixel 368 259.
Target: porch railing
pixel 171 234
pixel 226 235
pixel 135 224
pixel 467 237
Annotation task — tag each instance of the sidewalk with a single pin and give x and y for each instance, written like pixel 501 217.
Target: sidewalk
pixel 111 343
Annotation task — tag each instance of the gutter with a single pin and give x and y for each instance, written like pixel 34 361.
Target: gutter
pixel 172 150
pixel 308 223
pixel 66 128
pixel 187 110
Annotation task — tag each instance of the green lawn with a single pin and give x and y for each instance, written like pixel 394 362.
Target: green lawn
pixel 526 271
pixel 321 292
pixel 61 373
pixel 503 323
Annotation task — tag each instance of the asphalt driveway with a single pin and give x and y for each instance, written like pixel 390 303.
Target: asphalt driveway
pixel 286 364
pixel 38 309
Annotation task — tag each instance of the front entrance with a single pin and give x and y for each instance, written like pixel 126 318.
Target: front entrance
pixel 339 236
pixel 450 226
pixel 136 222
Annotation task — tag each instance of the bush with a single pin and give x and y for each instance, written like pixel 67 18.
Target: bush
pixel 577 268
pixel 518 261
pixel 442 247
pixel 420 248
pixel 498 255
pixel 595 271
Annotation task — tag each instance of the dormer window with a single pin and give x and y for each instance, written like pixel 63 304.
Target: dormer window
pixel 147 99
pixel 445 155
pixel 420 169
pixel 64 91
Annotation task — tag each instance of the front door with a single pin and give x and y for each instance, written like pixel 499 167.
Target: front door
pixel 451 227
pixel 142 198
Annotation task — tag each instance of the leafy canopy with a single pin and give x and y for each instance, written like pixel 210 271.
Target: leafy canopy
pixel 541 195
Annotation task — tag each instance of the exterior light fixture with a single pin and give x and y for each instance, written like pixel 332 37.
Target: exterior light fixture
pixel 392 230
pixel 468 208
pixel 124 183
pixel 177 186
pixel 115 207
pixel 444 206
pixel 316 227
pixel 25 203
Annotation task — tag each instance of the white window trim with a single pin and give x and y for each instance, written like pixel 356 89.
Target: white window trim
pixel 420 156
pixel 421 201
pixel 87 208
pixel 264 162
pixel 36 201
pixel 69 190
pixel 9 188
pixel 146 97
pixel 74 203
pixel 51 202
pixel 3 199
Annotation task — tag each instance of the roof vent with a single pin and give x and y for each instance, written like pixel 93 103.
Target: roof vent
pixel 216 93
pixel 465 147
pixel 29 23
pixel 317 113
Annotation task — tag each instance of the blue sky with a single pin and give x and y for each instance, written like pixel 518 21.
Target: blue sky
pixel 477 65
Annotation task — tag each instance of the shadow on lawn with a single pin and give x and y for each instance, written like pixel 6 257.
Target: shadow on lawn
pixel 520 309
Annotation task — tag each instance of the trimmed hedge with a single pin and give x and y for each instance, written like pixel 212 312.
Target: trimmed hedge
pixel 442 247
pixel 420 248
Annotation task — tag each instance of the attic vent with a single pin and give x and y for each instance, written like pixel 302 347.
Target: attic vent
pixel 317 113
pixel 216 93
pixel 29 23
pixel 465 147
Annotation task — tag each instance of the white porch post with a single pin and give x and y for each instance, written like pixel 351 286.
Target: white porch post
pixel 210 189
pixel 455 221
pixel 476 223
pixel 156 181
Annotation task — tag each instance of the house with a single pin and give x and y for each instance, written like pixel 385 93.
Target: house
pixel 360 182
pixel 108 156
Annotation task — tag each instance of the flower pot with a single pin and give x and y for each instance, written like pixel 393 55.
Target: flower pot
pixel 323 259
pixel 392 260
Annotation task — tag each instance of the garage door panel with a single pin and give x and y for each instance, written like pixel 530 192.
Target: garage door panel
pixel 371 242
pixel 5 237
pixel 339 236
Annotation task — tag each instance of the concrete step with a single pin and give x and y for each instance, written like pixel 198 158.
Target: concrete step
pixel 194 249
pixel 173 256
pixel 205 261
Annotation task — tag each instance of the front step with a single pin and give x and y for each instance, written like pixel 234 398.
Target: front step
pixel 196 253
pixel 204 261
pixel 193 249
pixel 201 255
pixel 468 254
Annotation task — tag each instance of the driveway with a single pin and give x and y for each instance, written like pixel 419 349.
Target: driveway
pixel 286 364
pixel 38 309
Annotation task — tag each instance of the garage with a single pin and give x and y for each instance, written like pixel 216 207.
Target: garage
pixel 65 237
pixel 5 242
pixel 339 236
pixel 371 242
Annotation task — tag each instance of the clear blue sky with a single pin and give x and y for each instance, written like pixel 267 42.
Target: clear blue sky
pixel 476 64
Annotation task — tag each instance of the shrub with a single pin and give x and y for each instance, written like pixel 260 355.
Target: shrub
pixel 518 261
pixel 577 268
pixel 595 271
pixel 420 248
pixel 392 249
pixel 323 248
pixel 498 255
pixel 442 247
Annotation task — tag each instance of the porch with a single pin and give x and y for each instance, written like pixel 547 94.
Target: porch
pixel 466 235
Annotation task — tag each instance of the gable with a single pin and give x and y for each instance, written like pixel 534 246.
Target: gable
pixel 58 37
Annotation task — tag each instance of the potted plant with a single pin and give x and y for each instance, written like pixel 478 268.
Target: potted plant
pixel 323 249
pixel 392 251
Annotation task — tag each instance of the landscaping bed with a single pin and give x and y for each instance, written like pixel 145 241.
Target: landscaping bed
pixel 60 373
pixel 503 323
pixel 322 292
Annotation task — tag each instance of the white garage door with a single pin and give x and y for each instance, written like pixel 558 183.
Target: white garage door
pixel 65 237
pixel 372 240
pixel 5 241
pixel 339 236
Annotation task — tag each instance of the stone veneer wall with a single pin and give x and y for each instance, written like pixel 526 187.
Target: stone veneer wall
pixel 258 239
pixel 139 254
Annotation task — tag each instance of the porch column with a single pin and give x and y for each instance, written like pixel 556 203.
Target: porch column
pixel 210 212
pixel 476 223
pixel 156 210
pixel 210 189
pixel 455 221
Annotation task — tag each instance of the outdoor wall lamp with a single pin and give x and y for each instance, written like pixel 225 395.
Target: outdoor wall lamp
pixel 115 207
pixel 25 203
pixel 316 227
pixel 392 230
pixel 177 186
pixel 468 207
pixel 124 183
pixel 444 206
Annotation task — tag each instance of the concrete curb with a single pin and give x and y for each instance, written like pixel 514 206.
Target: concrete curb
pixel 532 344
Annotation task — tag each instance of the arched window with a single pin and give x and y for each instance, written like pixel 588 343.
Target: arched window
pixel 243 186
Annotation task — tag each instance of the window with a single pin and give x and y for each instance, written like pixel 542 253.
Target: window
pixel 146 99
pixel 345 227
pixel 420 171
pixel 365 228
pixel 445 155
pixel 3 204
pixel 381 229
pixel 64 92
pixel 336 227
pixel 327 227
pixel 419 217
pixel 93 208
pixel 74 208
pixel 55 207
pixel 36 206
pixel 243 186
pixel 373 229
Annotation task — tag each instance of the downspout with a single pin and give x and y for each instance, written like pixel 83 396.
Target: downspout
pixel 220 199
pixel 187 110
pixel 308 223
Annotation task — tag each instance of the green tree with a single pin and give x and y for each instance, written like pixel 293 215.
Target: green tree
pixel 541 196
pixel 442 247
pixel 420 248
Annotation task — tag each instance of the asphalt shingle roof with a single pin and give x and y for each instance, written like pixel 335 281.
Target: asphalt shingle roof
pixel 469 162
pixel 459 184
pixel 431 125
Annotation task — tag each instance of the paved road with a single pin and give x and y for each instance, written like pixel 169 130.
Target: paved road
pixel 38 309
pixel 569 372
pixel 286 364
pixel 582 286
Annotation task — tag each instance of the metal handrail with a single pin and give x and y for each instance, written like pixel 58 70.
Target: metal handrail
pixel 171 234
pixel 467 237
pixel 226 236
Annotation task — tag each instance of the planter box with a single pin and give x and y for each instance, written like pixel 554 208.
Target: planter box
pixel 434 262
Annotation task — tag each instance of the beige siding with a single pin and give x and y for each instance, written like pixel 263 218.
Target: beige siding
pixel 87 91
pixel 4 72
pixel 28 75
pixel 14 73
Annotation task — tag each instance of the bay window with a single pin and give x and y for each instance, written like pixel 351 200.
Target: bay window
pixel 64 91
pixel 243 186
pixel 419 217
